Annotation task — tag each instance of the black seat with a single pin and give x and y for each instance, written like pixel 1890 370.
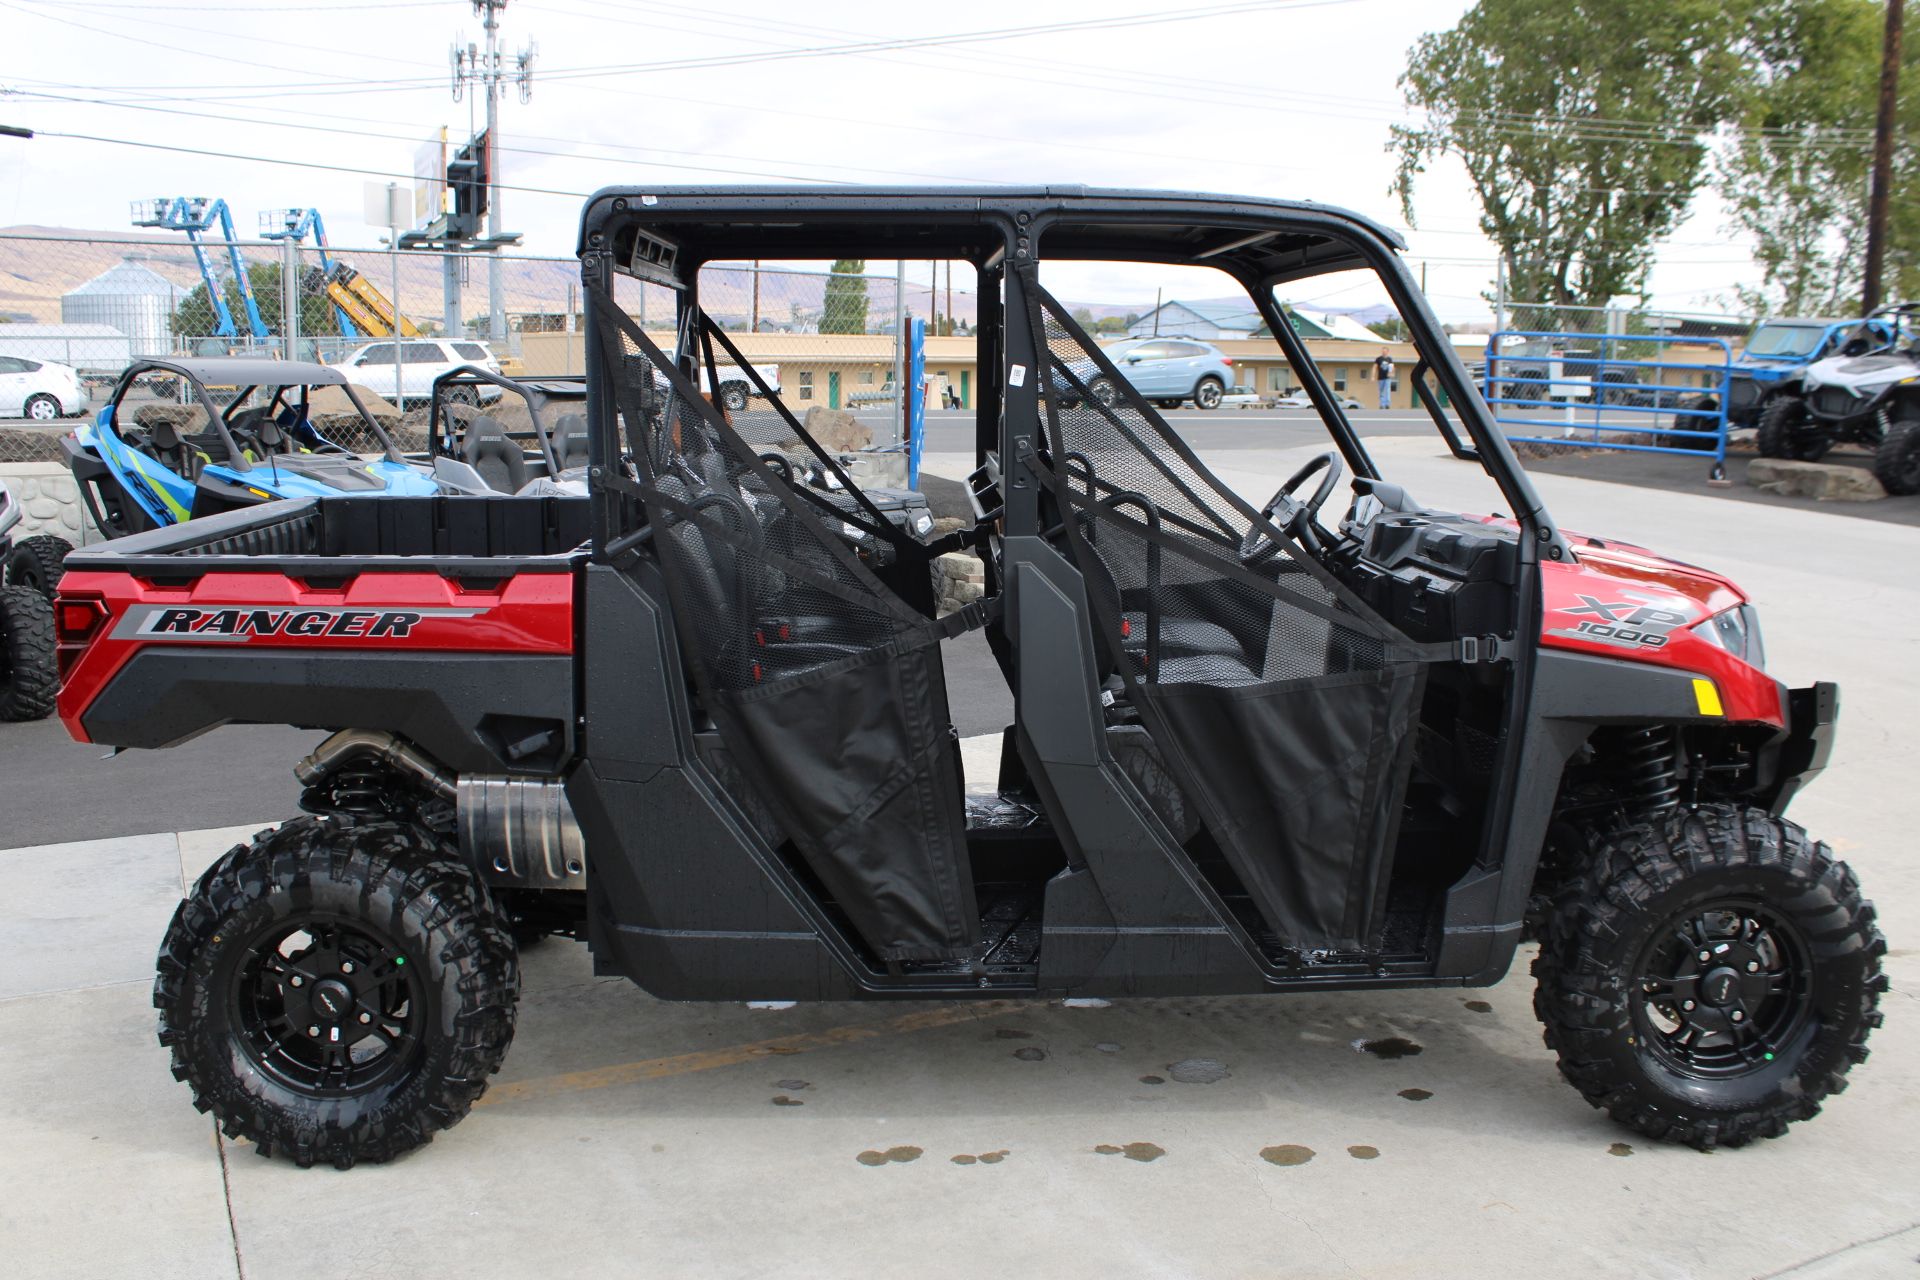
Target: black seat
pixel 498 460
pixel 570 441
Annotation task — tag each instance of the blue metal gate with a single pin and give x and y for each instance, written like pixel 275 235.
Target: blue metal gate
pixel 1601 391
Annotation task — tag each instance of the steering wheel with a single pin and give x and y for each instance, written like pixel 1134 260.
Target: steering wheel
pixel 1292 516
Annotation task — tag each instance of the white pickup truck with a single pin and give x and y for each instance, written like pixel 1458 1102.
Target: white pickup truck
pixel 736 388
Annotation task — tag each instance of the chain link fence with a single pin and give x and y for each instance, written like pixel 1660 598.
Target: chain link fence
pixel 95 305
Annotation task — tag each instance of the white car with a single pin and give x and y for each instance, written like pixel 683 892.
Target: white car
pixel 39 389
pixel 1300 400
pixel 421 361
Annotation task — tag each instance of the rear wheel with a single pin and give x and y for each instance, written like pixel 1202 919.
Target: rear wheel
pixel 1207 394
pixel 1710 981
pixel 1787 430
pixel 337 990
pixel 28 677
pixel 733 396
pixel 1896 463
pixel 38 562
pixel 41 408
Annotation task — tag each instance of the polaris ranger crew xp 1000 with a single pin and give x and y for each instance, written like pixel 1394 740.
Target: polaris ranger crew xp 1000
pixel 1330 739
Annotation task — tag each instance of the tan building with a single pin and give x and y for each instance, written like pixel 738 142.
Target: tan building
pixel 832 369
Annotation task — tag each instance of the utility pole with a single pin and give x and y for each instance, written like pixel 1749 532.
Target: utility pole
pixel 1882 161
pixel 488 67
pixel 756 297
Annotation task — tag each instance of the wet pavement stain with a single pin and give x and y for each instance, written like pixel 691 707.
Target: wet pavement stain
pixel 782 1100
pixel 1389 1047
pixel 990 1157
pixel 1363 1152
pixel 1107 1046
pixel 792 1086
pixel 1198 1071
pixel 892 1155
pixel 1620 1149
pixel 1144 1152
pixel 1286 1154
pixel 1011 1033
pixel 1416 1095
pixel 1030 1054
pixel 1479 1006
pixel 1153 1079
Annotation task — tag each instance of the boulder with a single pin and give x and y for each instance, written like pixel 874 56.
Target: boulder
pixel 1822 480
pixel 836 430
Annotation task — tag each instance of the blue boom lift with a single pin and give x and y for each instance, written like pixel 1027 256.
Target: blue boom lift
pixel 196 215
pixel 294 224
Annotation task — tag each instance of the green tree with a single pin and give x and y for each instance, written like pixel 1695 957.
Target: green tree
pixel 1582 126
pixel 1794 176
pixel 194 317
pixel 844 309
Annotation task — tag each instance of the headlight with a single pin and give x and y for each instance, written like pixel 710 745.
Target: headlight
pixel 923 523
pixel 1737 630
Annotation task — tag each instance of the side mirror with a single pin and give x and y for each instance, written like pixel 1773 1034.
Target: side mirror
pixel 1133 359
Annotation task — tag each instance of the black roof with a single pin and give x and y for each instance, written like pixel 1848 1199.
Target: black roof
pixel 238 371
pixel 1251 235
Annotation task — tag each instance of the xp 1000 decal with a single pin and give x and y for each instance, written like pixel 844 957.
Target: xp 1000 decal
pixel 1636 622
pixel 230 624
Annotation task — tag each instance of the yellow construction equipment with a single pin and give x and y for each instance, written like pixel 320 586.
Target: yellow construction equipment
pixel 354 294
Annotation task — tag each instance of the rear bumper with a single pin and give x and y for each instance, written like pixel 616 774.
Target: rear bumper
pixel 1811 715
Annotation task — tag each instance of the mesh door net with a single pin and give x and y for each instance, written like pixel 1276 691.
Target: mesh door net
pixel 1283 704
pixel 824 685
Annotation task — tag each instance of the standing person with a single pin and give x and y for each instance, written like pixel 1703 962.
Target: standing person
pixel 1383 373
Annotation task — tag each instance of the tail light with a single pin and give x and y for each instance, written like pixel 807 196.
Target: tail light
pixel 1227 360
pixel 77 620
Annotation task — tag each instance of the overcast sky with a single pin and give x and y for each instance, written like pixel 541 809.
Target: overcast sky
pixel 1292 98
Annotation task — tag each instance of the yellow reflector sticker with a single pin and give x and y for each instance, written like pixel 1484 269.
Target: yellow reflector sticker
pixel 1708 697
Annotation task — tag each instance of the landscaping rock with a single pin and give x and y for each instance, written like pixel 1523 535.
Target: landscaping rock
pixel 1822 480
pixel 959 579
pixel 836 430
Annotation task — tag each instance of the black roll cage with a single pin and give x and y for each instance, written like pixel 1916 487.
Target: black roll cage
pixel 218 417
pixel 664 235
pixel 530 390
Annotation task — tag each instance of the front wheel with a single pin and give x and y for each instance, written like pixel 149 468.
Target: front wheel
pixel 1896 463
pixel 339 991
pixel 733 396
pixel 1787 430
pixel 1710 981
pixel 1207 394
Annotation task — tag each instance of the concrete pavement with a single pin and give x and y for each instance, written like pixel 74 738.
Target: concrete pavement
pixel 629 1135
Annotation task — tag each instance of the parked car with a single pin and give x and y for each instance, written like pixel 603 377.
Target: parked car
pixel 421 361
pixel 39 389
pixel 1301 400
pixel 1167 371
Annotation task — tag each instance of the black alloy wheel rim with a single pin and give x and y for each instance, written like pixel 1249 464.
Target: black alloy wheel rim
pixel 1724 990
pixel 327 1008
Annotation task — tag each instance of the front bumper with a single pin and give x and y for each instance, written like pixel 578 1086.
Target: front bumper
pixel 1803 752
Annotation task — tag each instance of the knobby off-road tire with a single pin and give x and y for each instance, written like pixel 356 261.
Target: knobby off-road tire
pixel 29 677
pixel 1896 463
pixel 38 562
pixel 1782 431
pixel 337 990
pixel 1792 948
